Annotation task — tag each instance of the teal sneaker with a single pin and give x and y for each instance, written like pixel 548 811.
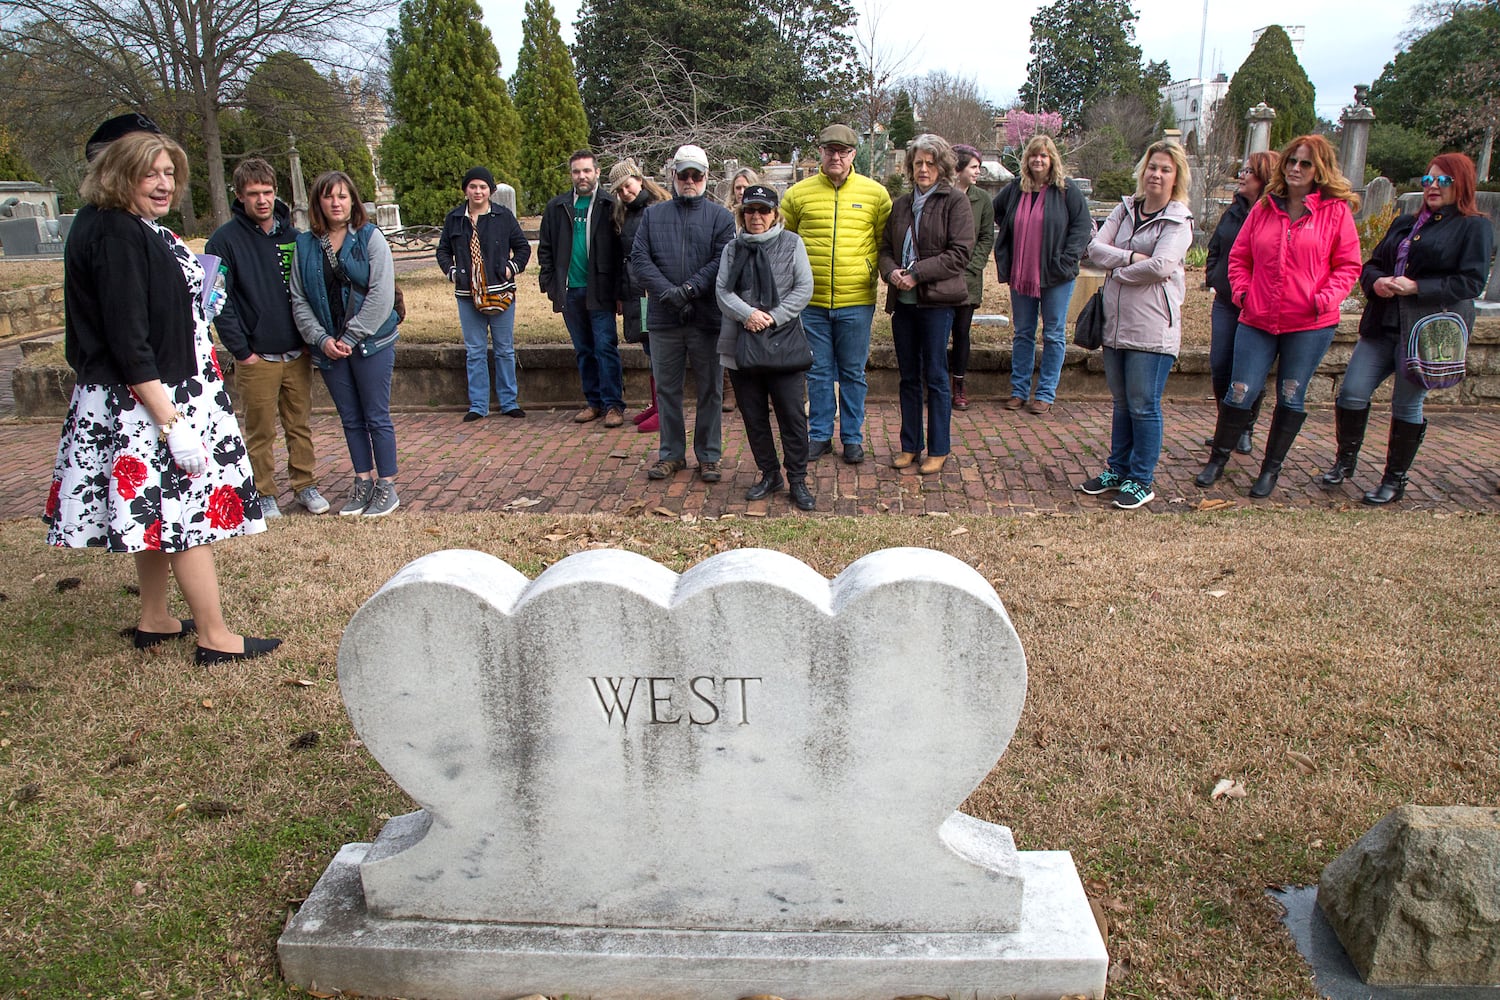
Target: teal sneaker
pixel 1133 495
pixel 1104 482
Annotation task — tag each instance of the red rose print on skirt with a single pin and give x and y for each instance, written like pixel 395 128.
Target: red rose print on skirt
pixel 218 372
pixel 152 538
pixel 225 509
pixel 52 498
pixel 129 474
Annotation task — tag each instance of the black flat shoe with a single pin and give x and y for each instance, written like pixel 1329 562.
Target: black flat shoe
pixel 472 416
pixel 253 647
pixel 145 640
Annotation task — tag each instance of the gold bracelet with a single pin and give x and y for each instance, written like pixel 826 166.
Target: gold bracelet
pixel 163 430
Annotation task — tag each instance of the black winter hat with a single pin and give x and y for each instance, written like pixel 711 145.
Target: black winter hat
pixel 117 128
pixel 478 174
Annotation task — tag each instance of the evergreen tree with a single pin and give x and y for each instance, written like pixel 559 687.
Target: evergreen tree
pixel 1082 51
pixel 545 89
pixel 450 106
pixel 903 126
pixel 1271 73
pixel 1446 83
pixel 12 166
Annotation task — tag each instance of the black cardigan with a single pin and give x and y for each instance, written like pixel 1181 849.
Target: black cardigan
pixel 1066 231
pixel 129 315
pixel 1449 261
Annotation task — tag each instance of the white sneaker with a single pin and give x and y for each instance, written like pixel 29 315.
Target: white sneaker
pixel 310 498
pixel 268 508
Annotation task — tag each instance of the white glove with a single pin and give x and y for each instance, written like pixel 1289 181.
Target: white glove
pixel 187 448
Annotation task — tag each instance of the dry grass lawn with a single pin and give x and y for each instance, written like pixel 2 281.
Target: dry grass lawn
pixel 158 822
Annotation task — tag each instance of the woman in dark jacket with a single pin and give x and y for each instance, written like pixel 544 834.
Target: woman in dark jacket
pixel 765 281
pixel 967 181
pixel 633 192
pixel 1042 230
pixel 1438 259
pixel 923 253
pixel 503 251
pixel 1257 173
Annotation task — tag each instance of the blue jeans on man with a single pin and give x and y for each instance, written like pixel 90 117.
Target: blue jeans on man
pixel 1052 310
pixel 479 329
pixel 840 342
pixel 1136 381
pixel 596 344
pixel 921 340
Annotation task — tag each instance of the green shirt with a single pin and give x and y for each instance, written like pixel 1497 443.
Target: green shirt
pixel 578 260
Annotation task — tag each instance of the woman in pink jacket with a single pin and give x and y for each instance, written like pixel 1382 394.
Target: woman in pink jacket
pixel 1292 265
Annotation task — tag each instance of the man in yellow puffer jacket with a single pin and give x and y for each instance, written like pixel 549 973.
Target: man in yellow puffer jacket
pixel 839 214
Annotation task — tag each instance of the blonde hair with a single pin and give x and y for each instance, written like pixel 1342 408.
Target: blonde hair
pixel 1057 171
pixel 114 175
pixel 1327 177
pixel 751 177
pixel 1180 182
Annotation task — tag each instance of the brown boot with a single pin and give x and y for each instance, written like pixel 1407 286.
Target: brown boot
pixel 728 406
pixel 960 398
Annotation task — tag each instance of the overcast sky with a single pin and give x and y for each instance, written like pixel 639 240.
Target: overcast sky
pixel 1346 41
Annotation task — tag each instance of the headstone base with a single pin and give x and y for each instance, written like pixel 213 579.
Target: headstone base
pixel 333 943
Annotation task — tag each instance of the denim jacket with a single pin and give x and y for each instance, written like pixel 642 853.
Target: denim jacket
pixel 366 258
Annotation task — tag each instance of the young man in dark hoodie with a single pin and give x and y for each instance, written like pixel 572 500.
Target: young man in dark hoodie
pixel 273 371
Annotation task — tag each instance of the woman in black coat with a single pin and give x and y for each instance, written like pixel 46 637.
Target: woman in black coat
pixel 633 192
pixel 1257 173
pixel 1436 260
pixel 505 252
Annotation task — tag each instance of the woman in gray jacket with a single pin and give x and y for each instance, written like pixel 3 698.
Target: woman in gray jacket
pixel 765 281
pixel 1142 244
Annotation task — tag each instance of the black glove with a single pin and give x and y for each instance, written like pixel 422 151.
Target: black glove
pixel 687 292
pixel 673 299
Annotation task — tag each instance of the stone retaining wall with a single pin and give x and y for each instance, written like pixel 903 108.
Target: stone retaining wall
pixel 432 376
pixel 28 310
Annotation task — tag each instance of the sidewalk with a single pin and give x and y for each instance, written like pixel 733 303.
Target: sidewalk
pixel 1004 463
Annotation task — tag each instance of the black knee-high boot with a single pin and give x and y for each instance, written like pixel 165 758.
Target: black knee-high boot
pixel 1349 431
pixel 1405 439
pixel 1285 425
pixel 1231 424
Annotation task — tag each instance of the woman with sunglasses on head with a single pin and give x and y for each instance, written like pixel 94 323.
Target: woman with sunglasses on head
pixel 764 282
pixel 1437 259
pixel 633 192
pixel 1257 173
pixel 1292 266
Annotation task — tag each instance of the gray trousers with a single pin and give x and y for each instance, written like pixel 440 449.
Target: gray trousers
pixel 672 350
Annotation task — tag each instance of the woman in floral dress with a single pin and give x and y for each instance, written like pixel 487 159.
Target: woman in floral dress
pixel 151 461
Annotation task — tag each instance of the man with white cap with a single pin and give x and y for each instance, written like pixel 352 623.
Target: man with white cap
pixel 676 260
pixel 840 215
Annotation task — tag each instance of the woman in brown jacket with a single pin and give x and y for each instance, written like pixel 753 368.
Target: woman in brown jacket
pixel 923 253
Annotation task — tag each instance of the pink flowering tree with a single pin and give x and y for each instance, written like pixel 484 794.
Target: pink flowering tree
pixel 1020 126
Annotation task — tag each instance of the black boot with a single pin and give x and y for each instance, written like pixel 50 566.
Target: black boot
pixel 1243 445
pixel 1231 424
pixel 1349 431
pixel 1285 424
pixel 1405 440
pixel 770 481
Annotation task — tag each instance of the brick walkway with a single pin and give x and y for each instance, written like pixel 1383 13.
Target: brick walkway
pixel 1004 463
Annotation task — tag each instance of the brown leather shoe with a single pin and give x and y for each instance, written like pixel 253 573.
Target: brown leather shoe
pixel 585 415
pixel 1014 403
pixel 904 460
pixel 614 418
pixel 960 397
pixel 709 472
pixel 666 468
pixel 932 464
pixel 1039 408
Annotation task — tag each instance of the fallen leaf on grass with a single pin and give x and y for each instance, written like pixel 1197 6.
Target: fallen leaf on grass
pixel 1117 971
pixel 1218 593
pixel 664 511
pixel 558 537
pixel 321 560
pixel 214 807
pixel 1228 788
pixel 1214 503
pixel 1304 763
pixel 434 532
pixel 520 503
pixel 126 759
pixel 39 578
pixel 139 889
pixel 938 513
pixel 960 530
pixel 296 682
pixel 208 703
pixel 68 583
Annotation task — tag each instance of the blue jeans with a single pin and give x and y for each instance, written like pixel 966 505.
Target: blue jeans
pixel 1136 381
pixel 1224 320
pixel 361 391
pixel 1255 351
pixel 1373 361
pixel 478 329
pixel 921 338
pixel 840 342
pixel 596 343
pixel 1052 308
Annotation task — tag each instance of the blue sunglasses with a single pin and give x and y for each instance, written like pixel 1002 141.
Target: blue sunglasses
pixel 1441 180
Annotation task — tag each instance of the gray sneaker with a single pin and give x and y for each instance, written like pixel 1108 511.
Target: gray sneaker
pixel 384 499
pixel 268 508
pixel 310 498
pixel 359 497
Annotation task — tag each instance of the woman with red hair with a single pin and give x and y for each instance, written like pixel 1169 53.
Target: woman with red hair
pixel 1291 268
pixel 1435 260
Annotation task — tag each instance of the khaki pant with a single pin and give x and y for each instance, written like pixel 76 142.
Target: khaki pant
pixel 266 390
